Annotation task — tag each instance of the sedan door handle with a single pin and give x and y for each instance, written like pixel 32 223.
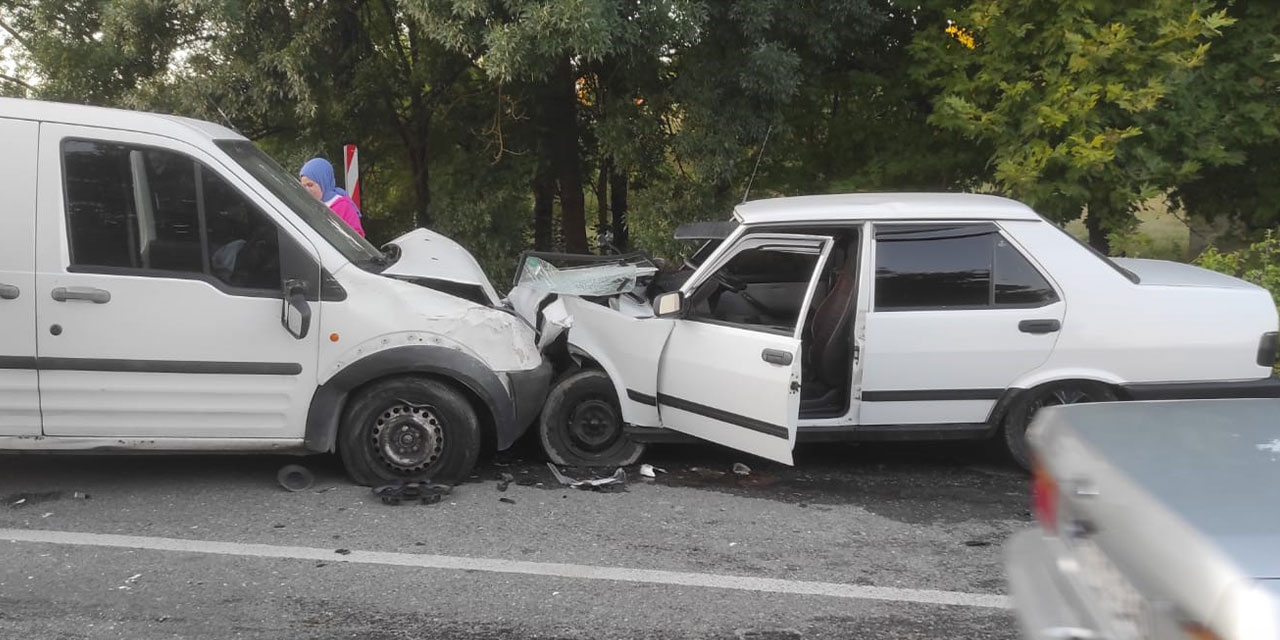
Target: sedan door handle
pixel 1039 326
pixel 776 356
pixel 96 296
pixel 8 292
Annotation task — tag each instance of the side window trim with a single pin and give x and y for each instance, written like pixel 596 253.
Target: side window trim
pixel 1035 266
pixel 139 183
pixel 769 241
pixel 987 228
pixel 980 227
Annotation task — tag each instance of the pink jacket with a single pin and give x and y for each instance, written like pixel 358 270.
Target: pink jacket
pixel 346 209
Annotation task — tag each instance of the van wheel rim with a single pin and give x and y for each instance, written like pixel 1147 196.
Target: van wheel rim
pixel 594 425
pixel 408 438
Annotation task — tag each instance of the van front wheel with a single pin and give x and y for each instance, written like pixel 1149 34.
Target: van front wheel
pixel 409 430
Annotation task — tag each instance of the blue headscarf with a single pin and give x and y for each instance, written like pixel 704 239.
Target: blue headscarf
pixel 319 171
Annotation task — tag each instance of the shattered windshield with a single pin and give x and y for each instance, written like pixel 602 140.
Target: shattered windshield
pixel 594 280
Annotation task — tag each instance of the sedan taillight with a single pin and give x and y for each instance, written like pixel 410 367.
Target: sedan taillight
pixel 1044 496
pixel 1268 349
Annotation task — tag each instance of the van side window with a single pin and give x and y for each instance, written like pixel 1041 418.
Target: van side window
pixel 148 211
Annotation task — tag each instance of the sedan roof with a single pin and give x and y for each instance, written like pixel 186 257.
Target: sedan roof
pixel 883 206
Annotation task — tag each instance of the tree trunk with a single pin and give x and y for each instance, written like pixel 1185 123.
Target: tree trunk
pixel 565 157
pixel 420 165
pixel 1095 222
pixel 602 194
pixel 544 197
pixel 618 203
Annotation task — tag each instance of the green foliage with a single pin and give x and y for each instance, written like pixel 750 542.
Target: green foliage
pixel 1243 104
pixel 1072 97
pixel 1258 263
pixel 462 107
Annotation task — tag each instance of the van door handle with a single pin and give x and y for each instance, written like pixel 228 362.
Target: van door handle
pixel 776 356
pixel 8 292
pixel 96 296
pixel 1039 326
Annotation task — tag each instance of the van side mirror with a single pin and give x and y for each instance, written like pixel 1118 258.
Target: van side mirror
pixel 295 312
pixel 668 304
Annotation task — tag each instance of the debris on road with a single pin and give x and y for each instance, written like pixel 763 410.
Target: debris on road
pixel 977 543
pixel 295 477
pixel 505 481
pixel 80 495
pixel 28 499
pixel 615 482
pixel 650 471
pixel 342 552
pixel 420 492
pixel 741 469
pixel 507 500
pixel 129 582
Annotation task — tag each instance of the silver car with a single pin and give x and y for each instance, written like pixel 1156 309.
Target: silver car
pixel 1158 520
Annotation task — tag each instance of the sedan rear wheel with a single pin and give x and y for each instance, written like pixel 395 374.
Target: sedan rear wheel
pixel 1032 401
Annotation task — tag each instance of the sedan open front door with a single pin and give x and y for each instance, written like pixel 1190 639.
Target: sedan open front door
pixel 730 371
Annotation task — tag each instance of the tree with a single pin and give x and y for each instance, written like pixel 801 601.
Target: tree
pixel 1237 92
pixel 548 55
pixel 1071 96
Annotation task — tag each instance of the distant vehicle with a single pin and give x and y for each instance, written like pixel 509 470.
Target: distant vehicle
pixel 1159 521
pixel 164 285
pixel 882 317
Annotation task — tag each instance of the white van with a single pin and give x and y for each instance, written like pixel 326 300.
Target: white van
pixel 164 285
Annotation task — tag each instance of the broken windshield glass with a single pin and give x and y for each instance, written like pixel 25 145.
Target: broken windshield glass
pixel 594 280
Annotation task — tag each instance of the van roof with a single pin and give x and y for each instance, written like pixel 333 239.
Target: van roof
pixel 140 121
pixel 882 206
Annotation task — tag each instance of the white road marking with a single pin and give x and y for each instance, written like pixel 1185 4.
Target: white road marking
pixel 494 565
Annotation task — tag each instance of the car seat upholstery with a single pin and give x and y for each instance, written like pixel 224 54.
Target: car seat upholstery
pixel 828 351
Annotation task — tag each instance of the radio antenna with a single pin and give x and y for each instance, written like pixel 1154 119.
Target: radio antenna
pixel 752 179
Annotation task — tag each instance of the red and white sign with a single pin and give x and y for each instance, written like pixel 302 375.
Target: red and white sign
pixel 351 164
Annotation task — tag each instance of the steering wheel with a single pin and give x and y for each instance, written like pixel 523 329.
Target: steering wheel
pixel 732 283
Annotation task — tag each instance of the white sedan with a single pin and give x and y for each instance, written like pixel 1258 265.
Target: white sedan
pixel 878 317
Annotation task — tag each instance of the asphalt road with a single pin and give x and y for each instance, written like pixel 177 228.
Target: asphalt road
pixel 883 541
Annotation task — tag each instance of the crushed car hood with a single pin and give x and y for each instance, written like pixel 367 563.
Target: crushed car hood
pixel 1163 272
pixel 427 254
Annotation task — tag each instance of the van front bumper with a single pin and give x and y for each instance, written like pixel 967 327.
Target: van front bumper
pixel 528 393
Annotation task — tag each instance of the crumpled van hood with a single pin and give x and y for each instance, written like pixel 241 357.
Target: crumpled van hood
pixel 427 254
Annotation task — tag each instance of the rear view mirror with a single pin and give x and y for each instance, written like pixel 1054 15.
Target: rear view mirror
pixel 668 304
pixel 295 312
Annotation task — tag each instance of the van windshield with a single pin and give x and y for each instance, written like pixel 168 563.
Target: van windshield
pixel 286 187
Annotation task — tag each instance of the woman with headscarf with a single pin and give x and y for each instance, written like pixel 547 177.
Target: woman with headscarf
pixel 317 176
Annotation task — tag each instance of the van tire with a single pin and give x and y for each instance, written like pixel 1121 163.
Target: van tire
pixel 438 441
pixel 1014 430
pixel 581 423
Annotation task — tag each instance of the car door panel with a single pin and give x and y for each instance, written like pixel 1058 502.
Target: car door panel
pixel 162 353
pixel 19 391
pixel 930 365
pixel 714 384
pixel 736 385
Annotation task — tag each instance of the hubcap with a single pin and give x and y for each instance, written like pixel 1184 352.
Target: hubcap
pixel 408 438
pixel 1061 397
pixel 594 425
